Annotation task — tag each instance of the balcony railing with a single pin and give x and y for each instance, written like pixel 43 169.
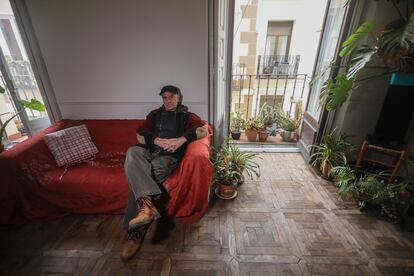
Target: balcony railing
pixel 25 84
pixel 250 92
pixel 278 65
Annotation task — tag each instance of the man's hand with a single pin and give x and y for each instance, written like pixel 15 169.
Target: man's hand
pixel 161 142
pixel 174 143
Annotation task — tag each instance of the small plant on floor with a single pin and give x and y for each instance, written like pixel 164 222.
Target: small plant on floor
pixel 225 176
pixel 376 194
pixel 345 179
pixel 374 191
pixel 406 194
pixel 229 165
pixel 242 162
pixel 331 152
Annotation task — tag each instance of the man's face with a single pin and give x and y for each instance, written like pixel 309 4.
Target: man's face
pixel 170 100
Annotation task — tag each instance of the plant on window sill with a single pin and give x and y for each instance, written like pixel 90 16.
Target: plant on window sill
pixel 33 104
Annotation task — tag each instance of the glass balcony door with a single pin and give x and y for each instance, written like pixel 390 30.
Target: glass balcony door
pixel 18 79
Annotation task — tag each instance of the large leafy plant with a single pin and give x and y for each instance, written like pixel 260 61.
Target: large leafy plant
pixel 331 152
pixel 242 161
pixel 230 163
pixel 392 46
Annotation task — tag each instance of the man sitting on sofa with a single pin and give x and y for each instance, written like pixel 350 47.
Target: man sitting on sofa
pixel 162 142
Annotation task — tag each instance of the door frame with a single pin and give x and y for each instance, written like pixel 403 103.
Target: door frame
pixel 221 129
pixel 324 124
pixel 31 44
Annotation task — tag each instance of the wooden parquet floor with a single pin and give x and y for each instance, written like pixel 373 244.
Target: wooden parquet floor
pixel 287 222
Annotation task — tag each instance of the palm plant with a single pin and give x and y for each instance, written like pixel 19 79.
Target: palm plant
pixel 393 46
pixel 230 159
pixel 242 162
pixel 331 152
pixel 224 172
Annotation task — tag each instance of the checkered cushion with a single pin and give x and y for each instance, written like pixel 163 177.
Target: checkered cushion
pixel 70 145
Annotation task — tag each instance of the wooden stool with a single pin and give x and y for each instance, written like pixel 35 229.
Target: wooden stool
pixel 393 166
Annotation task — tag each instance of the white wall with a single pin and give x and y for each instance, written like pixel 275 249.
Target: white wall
pixel 240 25
pixel 307 17
pixel 5 8
pixel 109 59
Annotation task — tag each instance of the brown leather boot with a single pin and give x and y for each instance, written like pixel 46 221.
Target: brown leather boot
pixel 134 242
pixel 147 213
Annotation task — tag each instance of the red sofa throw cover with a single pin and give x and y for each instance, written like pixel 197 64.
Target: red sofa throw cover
pixel 33 187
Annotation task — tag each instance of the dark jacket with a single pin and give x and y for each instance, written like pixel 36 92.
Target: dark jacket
pixel 169 124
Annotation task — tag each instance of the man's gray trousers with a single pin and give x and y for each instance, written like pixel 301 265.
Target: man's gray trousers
pixel 145 173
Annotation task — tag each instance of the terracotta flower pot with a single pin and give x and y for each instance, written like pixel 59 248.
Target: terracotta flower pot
pixel 251 135
pixel 226 190
pixel 263 136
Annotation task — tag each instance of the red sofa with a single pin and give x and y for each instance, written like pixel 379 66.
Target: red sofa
pixel 34 188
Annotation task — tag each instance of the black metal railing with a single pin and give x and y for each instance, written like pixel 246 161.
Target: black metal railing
pixel 250 92
pixel 278 65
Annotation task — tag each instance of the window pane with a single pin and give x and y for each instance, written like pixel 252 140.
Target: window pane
pixel 270 45
pixel 327 53
pixel 282 42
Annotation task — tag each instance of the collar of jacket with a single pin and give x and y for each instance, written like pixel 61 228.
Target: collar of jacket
pixel 180 108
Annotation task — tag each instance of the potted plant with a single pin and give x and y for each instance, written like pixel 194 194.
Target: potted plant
pixel 252 126
pixel 33 104
pixel 225 174
pixel 390 50
pixel 242 162
pixel 227 181
pixel 236 122
pixel 289 126
pixel 268 115
pixel 331 152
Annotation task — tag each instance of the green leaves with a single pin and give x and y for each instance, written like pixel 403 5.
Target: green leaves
pixel 230 163
pixel 397 38
pixel 361 58
pixel 2 90
pixel 33 104
pixel 352 42
pixel 334 94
